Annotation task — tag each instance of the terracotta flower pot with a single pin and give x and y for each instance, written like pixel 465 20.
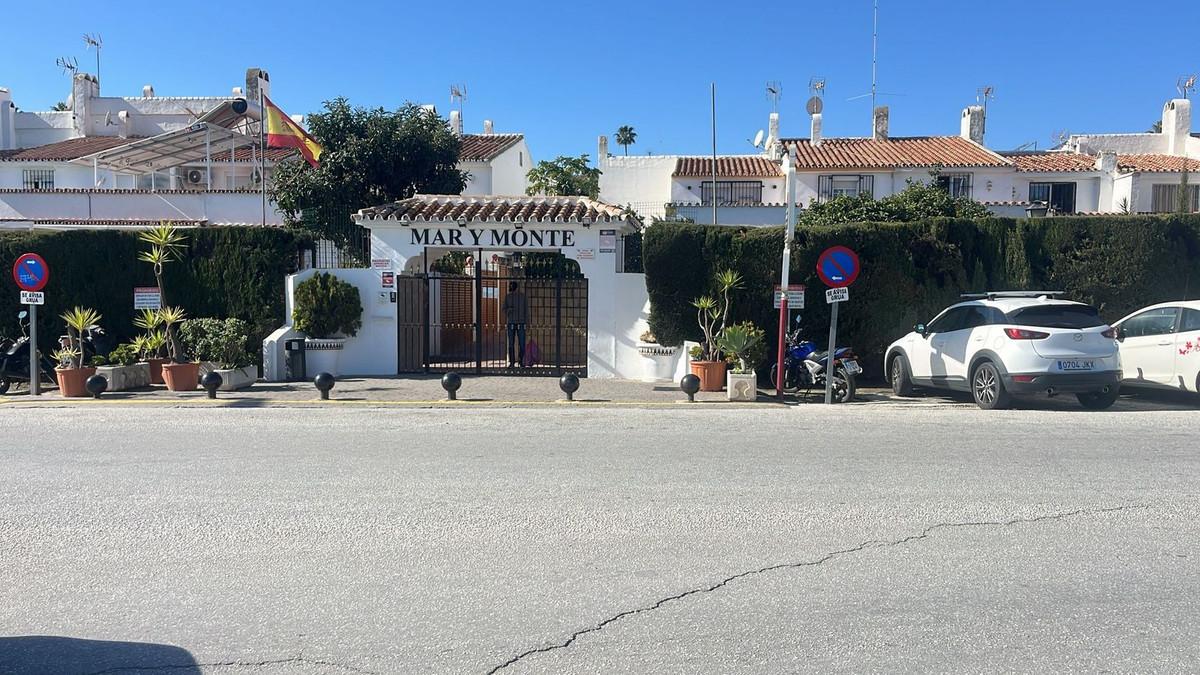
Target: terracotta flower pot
pixel 73 381
pixel 181 376
pixel 156 365
pixel 711 374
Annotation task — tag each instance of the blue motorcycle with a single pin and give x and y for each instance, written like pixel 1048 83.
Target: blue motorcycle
pixel 804 367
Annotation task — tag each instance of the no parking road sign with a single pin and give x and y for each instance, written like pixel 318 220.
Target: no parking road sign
pixel 30 272
pixel 838 266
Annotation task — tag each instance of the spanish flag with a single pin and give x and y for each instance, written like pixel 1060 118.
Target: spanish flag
pixel 282 132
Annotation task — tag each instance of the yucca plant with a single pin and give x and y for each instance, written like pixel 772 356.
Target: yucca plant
pixel 166 244
pixel 170 317
pixel 156 344
pixel 66 357
pixel 712 315
pixel 78 320
pixel 148 320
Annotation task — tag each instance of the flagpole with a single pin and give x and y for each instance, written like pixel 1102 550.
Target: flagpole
pixel 262 150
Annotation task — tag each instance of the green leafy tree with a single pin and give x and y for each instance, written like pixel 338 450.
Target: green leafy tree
pixel 370 157
pixel 61 106
pixel 917 201
pixel 564 176
pixel 626 137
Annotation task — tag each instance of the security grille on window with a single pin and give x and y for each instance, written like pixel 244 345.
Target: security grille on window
pixel 1058 196
pixel 851 185
pixel 957 184
pixel 38 179
pixel 1166 198
pixel 732 192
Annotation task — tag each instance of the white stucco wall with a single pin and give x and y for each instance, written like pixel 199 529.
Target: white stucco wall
pixel 509 170
pixel 215 207
pixel 641 181
pixel 479 178
pixel 372 351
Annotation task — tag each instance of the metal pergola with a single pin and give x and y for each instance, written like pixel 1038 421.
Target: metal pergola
pixel 193 145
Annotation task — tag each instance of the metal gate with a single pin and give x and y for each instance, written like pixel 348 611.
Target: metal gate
pixel 455 318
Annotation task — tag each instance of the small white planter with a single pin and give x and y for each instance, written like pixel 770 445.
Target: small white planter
pixel 233 379
pixel 124 378
pixel 741 386
pixel 321 356
pixel 658 361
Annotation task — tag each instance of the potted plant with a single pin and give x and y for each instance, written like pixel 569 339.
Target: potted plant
pixel 327 311
pixel 154 347
pixel 71 372
pixel 220 344
pixel 180 374
pixel 123 371
pixel 659 358
pixel 712 315
pixel 743 343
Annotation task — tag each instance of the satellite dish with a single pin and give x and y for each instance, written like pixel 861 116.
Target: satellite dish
pixel 758 138
pixel 814 105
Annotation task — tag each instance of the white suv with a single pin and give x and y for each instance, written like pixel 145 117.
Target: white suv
pixel 996 345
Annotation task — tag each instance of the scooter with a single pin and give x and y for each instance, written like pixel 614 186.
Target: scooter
pixel 804 367
pixel 14 359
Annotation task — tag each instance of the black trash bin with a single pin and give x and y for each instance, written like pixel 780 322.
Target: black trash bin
pixel 296 366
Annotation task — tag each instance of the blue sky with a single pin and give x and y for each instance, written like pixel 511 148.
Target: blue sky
pixel 565 72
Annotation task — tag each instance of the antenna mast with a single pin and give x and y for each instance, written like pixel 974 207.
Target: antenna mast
pixel 458 93
pixel 982 96
pixel 97 42
pixel 1186 85
pixel 774 93
pixel 874 54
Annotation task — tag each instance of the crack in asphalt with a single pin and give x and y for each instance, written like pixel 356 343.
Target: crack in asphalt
pixel 869 544
pixel 231 664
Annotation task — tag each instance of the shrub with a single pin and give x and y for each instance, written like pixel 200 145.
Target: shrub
pixel 124 355
pixel 327 306
pixel 222 341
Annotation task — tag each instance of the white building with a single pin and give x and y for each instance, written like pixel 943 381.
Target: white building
pixel 496 164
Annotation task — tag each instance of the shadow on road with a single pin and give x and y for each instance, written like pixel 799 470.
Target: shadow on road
pixel 47 654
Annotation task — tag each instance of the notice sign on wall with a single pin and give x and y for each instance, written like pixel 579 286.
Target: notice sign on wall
pixel 388 279
pixel 608 241
pixel 146 297
pixel 381 263
pixel 585 254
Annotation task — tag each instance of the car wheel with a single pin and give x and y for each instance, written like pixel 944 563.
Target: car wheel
pixel 5 383
pixel 1098 400
pixel 987 388
pixel 902 384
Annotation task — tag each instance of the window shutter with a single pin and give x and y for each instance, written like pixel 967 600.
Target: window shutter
pixel 866 185
pixel 824 188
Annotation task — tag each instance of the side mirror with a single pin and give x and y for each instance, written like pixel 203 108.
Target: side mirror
pixel 22 314
pixel 921 330
pixel 798 317
pixel 1120 333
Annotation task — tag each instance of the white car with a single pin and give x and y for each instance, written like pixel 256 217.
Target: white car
pixel 1160 346
pixel 996 345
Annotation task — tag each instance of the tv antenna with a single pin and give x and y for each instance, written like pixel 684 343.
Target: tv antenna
pixel 94 41
pixel 774 93
pixel 1060 137
pixel 1186 85
pixel 874 93
pixel 982 95
pixel 69 64
pixel 458 94
pixel 816 85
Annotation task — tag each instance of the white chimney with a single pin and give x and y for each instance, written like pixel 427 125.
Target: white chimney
pixel 456 122
pixel 8 120
pixel 488 128
pixel 257 78
pixel 84 88
pixel 602 149
pixel 880 130
pixel 236 91
pixel 1107 161
pixel 814 136
pixel 1177 124
pixel 971 125
pixel 148 91
pixel 124 124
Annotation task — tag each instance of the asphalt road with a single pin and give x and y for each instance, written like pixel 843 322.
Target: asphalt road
pixel 853 538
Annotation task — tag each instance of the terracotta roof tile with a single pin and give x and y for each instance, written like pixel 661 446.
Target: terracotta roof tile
pixel 1052 161
pixel 491 208
pixel 67 150
pixel 727 167
pixel 485 147
pixel 1155 163
pixel 914 151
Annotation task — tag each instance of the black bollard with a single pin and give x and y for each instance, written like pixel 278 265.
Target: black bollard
pixel 324 382
pixel 690 384
pixel 96 385
pixel 451 382
pixel 569 383
pixel 211 382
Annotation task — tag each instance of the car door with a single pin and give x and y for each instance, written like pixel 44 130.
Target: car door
pixel 957 347
pixel 948 345
pixel 921 349
pixel 1148 346
pixel 1187 350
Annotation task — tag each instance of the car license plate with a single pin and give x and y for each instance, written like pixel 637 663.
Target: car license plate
pixel 852 367
pixel 1076 364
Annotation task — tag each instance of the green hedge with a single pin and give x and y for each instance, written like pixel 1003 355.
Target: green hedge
pixel 225 272
pixel 912 270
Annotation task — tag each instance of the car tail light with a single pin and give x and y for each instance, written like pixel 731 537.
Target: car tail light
pixel 1022 334
pixel 1110 333
pixel 1023 378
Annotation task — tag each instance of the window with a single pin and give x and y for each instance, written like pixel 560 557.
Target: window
pixel 1154 322
pixel 732 192
pixel 1059 196
pixel 1191 320
pixel 850 185
pixel 1165 198
pixel 38 179
pixel 954 319
pixel 982 315
pixel 957 184
pixel 1056 316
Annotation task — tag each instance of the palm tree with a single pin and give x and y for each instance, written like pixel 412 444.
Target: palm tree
pixel 626 137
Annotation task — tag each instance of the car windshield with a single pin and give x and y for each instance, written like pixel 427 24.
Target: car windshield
pixel 1056 316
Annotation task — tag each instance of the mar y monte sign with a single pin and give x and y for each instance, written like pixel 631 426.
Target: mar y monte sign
pixel 492 238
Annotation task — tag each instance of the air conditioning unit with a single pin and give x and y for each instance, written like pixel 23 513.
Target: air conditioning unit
pixel 194 177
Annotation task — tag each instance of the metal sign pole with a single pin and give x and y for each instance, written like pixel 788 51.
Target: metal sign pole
pixel 832 348
pixel 35 373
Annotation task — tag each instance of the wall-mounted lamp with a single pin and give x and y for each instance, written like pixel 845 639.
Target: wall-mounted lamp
pixel 462 222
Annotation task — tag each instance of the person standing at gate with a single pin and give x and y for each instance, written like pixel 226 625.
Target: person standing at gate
pixel 516 315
